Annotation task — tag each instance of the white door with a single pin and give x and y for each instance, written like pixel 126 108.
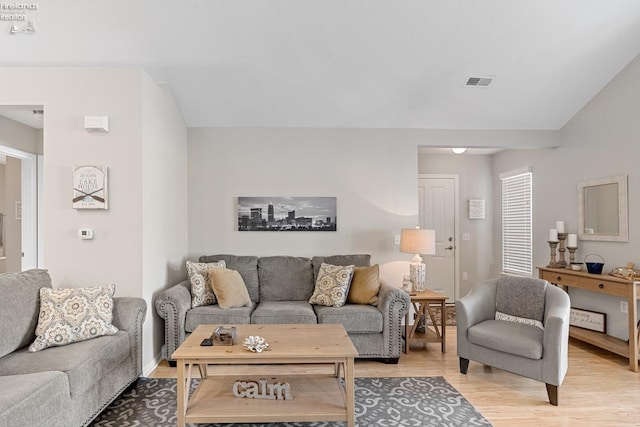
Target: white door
pixel 437 198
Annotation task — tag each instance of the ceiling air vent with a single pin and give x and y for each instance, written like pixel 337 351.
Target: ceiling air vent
pixel 479 81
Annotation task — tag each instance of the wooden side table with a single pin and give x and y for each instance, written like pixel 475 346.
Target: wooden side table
pixel 422 303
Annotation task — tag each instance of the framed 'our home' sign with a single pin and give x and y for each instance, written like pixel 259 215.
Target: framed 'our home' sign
pixel 90 187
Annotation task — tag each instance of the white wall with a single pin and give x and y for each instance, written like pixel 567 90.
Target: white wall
pixel 373 177
pixel 164 212
pixel 120 253
pixel 601 140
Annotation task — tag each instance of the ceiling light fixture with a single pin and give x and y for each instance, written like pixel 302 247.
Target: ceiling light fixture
pixel 458 150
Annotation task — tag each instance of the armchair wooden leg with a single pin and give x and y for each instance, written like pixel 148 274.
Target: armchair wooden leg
pixel 552 391
pixel 464 365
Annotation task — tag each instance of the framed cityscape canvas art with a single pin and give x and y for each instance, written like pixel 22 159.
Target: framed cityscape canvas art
pixel 287 214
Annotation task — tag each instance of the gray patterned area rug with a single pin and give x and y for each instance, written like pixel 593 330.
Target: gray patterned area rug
pixel 415 401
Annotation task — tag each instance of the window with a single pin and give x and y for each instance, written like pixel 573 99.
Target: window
pixel 516 222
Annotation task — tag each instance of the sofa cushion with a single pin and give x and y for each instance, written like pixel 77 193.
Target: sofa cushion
pixel 365 285
pixel 285 278
pixel 215 315
pixel 508 337
pixel 332 285
pixel 247 266
pixel 73 314
pixel 229 288
pixel 356 318
pixel 83 362
pixel 20 302
pixel 270 312
pixel 201 294
pixel 357 260
pixel 46 391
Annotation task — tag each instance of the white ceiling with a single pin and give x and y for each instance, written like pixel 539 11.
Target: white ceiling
pixel 348 63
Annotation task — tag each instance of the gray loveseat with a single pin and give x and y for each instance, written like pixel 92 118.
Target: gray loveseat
pixel 65 386
pixel 280 288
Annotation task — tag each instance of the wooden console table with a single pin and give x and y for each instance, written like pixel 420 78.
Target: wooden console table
pixel 609 285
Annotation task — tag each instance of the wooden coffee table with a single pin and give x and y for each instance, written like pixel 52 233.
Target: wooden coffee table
pixel 311 358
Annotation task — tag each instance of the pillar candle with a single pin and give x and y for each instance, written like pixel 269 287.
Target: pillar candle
pixel 553 235
pixel 572 241
pixel 560 226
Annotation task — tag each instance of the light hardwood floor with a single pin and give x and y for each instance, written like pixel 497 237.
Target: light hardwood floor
pixel 599 389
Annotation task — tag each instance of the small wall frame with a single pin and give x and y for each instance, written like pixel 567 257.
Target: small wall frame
pixel 90 187
pixel 476 209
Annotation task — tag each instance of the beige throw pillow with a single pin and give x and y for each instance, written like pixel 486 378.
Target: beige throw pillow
pixel 73 315
pixel 201 294
pixel 365 285
pixel 332 285
pixel 229 288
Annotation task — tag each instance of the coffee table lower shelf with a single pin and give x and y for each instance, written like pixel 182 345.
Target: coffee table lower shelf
pixel 319 398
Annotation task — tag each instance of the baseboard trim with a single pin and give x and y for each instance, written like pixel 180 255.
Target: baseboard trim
pixel 152 365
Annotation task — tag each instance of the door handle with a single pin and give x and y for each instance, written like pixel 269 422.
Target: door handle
pixel 449 248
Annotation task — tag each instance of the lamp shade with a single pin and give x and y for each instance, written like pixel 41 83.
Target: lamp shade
pixel 418 241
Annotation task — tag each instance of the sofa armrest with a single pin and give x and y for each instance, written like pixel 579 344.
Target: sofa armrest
pixel 128 315
pixel 476 306
pixel 394 304
pixel 556 335
pixel 172 305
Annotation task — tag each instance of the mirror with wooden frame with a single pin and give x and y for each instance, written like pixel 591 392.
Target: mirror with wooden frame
pixel 602 209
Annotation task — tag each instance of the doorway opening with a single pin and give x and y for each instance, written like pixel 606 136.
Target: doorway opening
pixel 20 193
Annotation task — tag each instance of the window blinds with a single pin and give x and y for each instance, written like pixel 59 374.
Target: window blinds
pixel 516 223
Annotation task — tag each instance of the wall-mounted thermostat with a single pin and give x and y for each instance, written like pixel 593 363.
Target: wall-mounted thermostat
pixel 85 233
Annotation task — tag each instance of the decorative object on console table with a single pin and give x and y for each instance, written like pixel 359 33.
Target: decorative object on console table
pixel 587 319
pixel 552 261
pixel 90 187
pixel 572 246
pixel 561 250
pixel 594 267
pixel 418 241
pixel 627 272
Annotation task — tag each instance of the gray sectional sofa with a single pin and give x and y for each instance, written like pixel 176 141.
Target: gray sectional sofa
pixel 64 386
pixel 280 288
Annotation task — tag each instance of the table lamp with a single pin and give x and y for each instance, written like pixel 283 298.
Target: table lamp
pixel 418 241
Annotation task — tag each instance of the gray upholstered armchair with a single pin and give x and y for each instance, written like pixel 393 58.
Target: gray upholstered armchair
pixel 517 324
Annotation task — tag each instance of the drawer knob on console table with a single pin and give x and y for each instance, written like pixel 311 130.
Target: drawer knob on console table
pixel 559 278
pixel 601 286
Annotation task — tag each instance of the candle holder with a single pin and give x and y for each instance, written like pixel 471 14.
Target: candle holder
pixel 561 249
pixel 552 262
pixel 572 255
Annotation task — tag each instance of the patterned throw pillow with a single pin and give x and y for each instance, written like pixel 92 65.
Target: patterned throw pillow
pixel 201 294
pixel 332 285
pixel 73 315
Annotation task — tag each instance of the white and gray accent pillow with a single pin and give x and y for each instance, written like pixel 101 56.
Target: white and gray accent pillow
pixel 73 315
pixel 332 285
pixel 201 294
